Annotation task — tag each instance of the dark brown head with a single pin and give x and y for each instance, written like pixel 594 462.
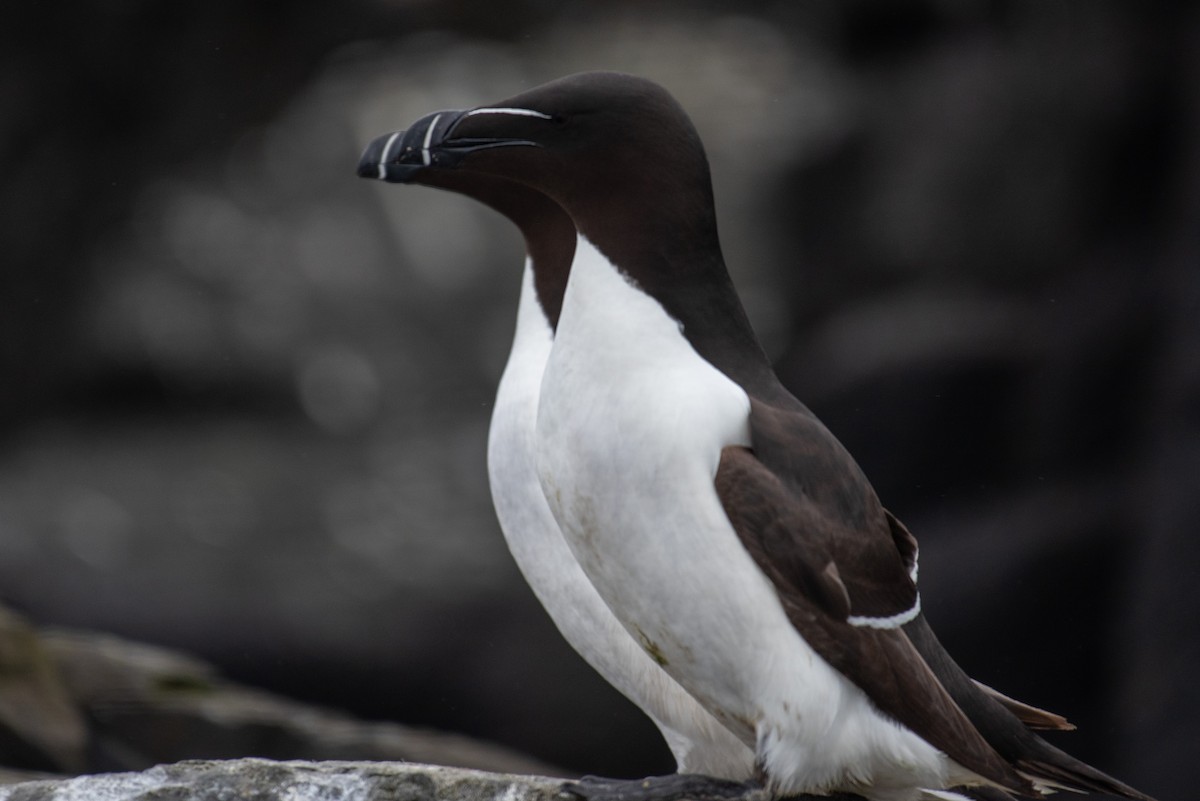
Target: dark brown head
pixel 403 157
pixel 617 152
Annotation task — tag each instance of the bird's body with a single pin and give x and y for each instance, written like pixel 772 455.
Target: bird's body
pixel 723 526
pixel 631 427
pixel 697 741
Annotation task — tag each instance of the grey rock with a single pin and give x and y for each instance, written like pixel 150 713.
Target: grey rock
pixel 14 776
pixel 264 780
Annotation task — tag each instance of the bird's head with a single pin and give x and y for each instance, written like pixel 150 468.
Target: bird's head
pixel 416 156
pixel 598 143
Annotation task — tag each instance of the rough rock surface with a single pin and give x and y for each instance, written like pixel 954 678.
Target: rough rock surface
pixel 264 780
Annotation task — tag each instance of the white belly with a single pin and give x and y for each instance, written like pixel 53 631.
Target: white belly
pixel 631 423
pixel 699 743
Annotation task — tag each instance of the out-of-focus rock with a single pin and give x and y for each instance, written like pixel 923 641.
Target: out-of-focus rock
pixel 11 776
pixel 74 702
pixel 150 705
pixel 40 726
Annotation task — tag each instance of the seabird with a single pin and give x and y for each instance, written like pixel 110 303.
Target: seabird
pixel 723 525
pixel 698 742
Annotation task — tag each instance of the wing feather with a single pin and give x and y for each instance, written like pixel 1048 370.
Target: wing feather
pixel 790 540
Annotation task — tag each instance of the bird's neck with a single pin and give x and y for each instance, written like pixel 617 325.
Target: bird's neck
pixel 550 253
pixel 677 261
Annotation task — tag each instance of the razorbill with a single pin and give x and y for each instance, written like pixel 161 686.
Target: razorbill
pixel 725 527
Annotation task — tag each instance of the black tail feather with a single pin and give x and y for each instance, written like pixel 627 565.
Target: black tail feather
pixel 1030 754
pixel 1059 769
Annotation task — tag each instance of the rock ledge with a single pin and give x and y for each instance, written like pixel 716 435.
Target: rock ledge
pixel 266 780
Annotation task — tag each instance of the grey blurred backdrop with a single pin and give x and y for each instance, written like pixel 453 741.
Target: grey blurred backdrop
pixel 244 395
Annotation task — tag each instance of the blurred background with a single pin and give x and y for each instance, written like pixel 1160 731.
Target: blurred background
pixel 244 395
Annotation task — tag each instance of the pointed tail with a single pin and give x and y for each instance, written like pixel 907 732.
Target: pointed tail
pixel 1032 756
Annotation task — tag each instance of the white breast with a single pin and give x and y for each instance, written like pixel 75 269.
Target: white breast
pixel 631 423
pixel 700 744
